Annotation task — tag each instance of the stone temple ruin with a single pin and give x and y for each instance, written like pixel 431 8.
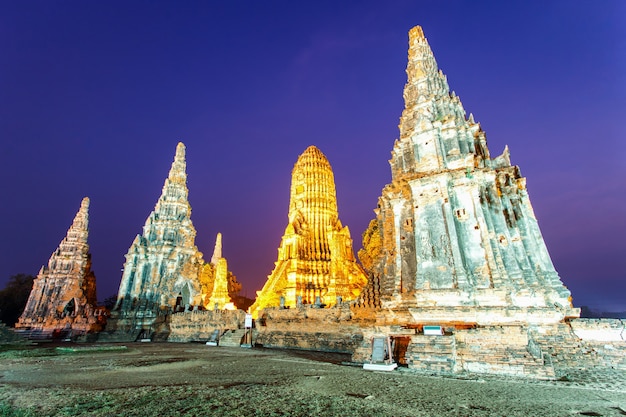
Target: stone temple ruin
pixel 458 241
pixel 455 250
pixel 316 263
pixel 164 272
pixel 456 276
pixel 455 242
pixel 63 299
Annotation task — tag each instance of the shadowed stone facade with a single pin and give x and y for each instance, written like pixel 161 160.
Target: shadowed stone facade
pixel 63 297
pixel 163 264
pixel 164 271
pixel 316 263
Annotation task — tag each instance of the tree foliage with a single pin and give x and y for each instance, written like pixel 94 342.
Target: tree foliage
pixel 14 296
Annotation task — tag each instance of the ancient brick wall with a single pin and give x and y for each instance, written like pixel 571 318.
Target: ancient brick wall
pixel 194 326
pixel 309 328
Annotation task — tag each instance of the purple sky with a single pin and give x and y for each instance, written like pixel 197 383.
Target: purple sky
pixel 94 97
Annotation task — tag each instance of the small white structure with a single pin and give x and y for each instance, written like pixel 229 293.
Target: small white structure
pixel 433 331
pixel 382 356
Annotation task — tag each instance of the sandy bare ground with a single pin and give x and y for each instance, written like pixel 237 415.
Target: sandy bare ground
pixel 171 379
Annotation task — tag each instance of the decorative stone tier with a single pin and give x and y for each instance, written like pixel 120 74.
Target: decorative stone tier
pixel 197 326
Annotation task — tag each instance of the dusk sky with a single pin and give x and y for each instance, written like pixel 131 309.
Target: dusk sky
pixel 95 95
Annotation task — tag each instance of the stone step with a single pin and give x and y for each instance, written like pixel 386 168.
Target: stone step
pixel 9 335
pixel 232 338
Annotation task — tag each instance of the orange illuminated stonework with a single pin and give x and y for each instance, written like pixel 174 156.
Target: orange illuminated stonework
pixel 316 263
pixel 63 297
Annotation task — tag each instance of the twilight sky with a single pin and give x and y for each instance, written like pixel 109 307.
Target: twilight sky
pixel 94 97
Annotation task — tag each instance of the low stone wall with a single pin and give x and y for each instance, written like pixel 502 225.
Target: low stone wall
pixel 600 330
pixel 502 350
pixel 536 350
pixel 505 350
pixel 197 326
pixel 309 328
pixel 606 338
pixel 131 326
pixel 432 354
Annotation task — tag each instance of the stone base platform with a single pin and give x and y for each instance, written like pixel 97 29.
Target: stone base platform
pixel 542 350
pixel 197 326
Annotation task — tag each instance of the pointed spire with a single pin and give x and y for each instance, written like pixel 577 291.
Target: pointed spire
pixel 179 166
pixel 430 107
pixel 174 195
pixel 67 277
pixel 422 71
pixel 80 224
pixel 217 252
pixel 78 231
pixel 416 33
pixel 164 259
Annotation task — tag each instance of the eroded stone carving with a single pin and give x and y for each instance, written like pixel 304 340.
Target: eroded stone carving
pixel 63 297
pixel 164 271
pixel 455 237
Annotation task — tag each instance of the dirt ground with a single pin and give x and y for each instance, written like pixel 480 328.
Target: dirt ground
pixel 169 379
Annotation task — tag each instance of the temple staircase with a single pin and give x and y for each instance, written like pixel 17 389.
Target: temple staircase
pixel 232 338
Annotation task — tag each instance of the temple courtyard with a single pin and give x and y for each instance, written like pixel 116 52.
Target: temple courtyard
pixel 166 379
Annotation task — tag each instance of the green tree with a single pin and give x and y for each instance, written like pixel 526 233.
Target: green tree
pixel 14 296
pixel 110 301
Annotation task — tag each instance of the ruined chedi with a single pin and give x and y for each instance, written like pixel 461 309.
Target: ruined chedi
pixel 64 293
pixel 455 239
pixel 164 270
pixel 163 264
pixel 316 263
pixel 220 298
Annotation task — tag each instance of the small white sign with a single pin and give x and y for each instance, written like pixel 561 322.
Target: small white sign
pixel 433 331
pixel 248 321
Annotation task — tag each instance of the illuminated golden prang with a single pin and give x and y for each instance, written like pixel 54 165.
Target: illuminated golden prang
pixel 316 262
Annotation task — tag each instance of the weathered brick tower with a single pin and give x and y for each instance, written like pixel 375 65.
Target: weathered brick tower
pixel 63 298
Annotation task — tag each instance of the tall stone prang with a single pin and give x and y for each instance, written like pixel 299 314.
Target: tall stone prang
pixel 316 263
pixel 455 238
pixel 63 297
pixel 163 264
